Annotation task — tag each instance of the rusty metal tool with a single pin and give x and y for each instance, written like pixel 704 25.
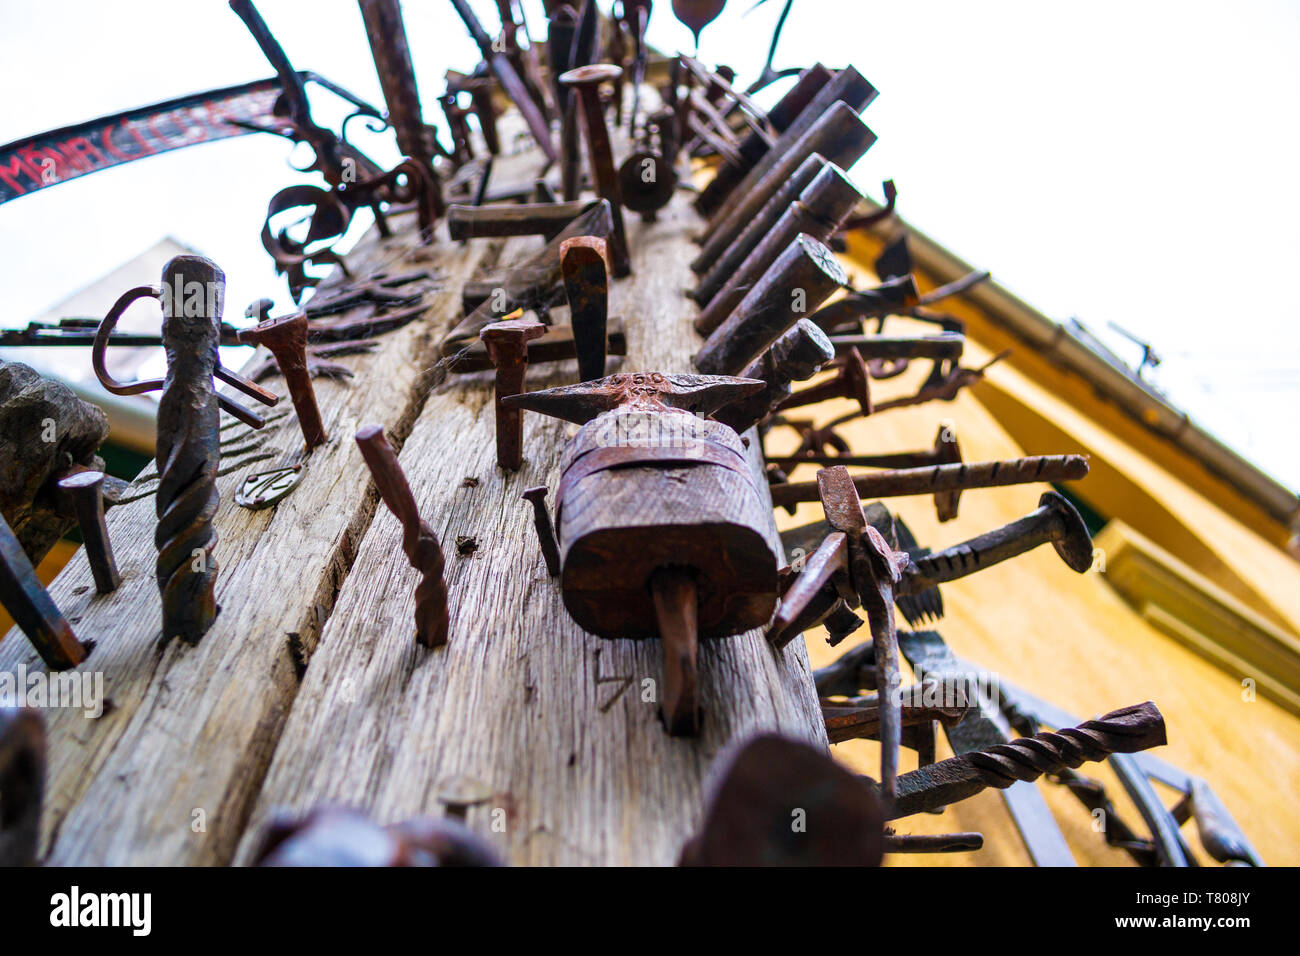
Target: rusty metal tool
pixel 687 562
pixel 796 355
pixel 943 388
pixel 335 836
pixel 767 785
pixel 521 219
pixel 865 721
pixel 585 81
pixel 509 79
pixel 944 478
pixel 840 136
pixel 801 278
pixel 479 89
pixel 22 784
pixel 418 540
pixel 895 349
pixel 462 152
pixel 932 842
pixel 32 609
pixel 557 345
pixel 545 531
pixel 816 209
pixel 86 491
pixel 507 345
pixel 584 262
pixel 286 339
pixel 1127 730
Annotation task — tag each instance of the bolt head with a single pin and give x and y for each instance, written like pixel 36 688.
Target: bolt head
pixel 1075 545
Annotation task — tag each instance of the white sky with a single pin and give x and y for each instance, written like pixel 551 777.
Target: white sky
pixel 1125 162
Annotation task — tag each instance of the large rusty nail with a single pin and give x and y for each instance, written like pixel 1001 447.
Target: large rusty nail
pixel 418 540
pixel 585 81
pixel 840 136
pixel 1128 730
pixel 816 211
pixel 946 347
pixel 31 607
pixel 676 603
pixel 800 280
pixel 286 339
pixel 928 481
pixel 480 94
pixel 1055 521
pixel 545 530
pixel 585 264
pixel 796 355
pixel 933 842
pixel 85 488
pixel 507 345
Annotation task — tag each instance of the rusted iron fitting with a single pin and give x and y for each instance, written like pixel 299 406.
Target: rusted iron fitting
pixel 545 530
pixel 585 81
pixel 507 345
pixel 32 608
pixel 86 490
pixel 801 279
pixel 418 540
pixel 286 339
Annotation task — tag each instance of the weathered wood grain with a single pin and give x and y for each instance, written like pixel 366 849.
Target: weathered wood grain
pixel 538 727
pixel 167 773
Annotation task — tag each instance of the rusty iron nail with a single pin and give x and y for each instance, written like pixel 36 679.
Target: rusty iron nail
pixel 799 280
pixel 868 220
pixel 933 842
pixel 761 786
pixel 854 721
pixel 946 388
pixel 22 781
pixel 1127 730
pixel 586 81
pixel 676 602
pixel 852 381
pixel 507 345
pixel 584 262
pixel 893 296
pixel 1055 521
pixel 545 530
pixel 945 347
pixel 940 478
pixel 32 608
pixel 946 451
pixel 85 487
pixel 418 540
pixel 796 355
pixel 286 339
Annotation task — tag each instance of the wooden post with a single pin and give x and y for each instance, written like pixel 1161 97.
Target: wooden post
pixel 308 689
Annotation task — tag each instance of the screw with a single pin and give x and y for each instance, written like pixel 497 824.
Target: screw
pixel 586 80
pixel 507 345
pixel 31 607
pixel 85 487
pixel 286 339
pixel 545 531
pixel 940 478
pixel 418 540
pixel 1055 521
pixel 796 355
pixel 1127 730
pixel 585 264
